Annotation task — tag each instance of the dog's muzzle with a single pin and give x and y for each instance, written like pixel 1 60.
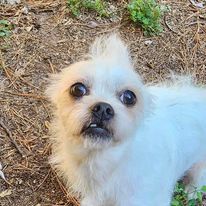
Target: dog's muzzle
pixel 98 127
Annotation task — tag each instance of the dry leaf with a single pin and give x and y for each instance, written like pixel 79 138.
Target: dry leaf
pixel 5 193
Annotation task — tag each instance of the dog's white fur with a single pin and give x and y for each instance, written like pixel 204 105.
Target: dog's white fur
pixel 155 142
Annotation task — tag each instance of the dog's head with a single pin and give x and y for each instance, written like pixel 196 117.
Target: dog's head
pixel 99 101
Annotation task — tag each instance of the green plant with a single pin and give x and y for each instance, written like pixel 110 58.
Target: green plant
pixel 180 197
pixel 5 28
pixel 76 6
pixel 147 13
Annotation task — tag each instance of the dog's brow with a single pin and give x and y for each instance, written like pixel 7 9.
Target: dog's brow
pixel 84 81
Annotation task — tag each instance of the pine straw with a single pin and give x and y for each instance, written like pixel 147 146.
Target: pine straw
pixel 45 39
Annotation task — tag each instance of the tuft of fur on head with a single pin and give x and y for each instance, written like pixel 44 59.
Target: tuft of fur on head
pixel 111 48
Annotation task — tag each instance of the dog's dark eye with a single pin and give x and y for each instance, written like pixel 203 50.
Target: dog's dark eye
pixel 128 98
pixel 78 90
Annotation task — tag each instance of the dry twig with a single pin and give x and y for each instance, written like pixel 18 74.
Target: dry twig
pixel 27 95
pixel 11 138
pixel 71 199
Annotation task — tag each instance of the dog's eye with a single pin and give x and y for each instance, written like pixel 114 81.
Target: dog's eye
pixel 78 90
pixel 128 98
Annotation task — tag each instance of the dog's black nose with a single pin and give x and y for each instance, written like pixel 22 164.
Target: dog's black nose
pixel 103 111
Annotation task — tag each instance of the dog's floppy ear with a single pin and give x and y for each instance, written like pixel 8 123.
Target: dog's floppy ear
pixel 111 48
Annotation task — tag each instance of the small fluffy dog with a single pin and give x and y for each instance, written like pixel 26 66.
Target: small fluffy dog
pixel 119 142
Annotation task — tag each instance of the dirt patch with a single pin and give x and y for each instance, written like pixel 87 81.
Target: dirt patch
pixel 47 38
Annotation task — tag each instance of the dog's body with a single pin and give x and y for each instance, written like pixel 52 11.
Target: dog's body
pixel 142 148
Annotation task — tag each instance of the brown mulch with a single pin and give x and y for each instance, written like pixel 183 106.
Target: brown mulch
pixel 45 38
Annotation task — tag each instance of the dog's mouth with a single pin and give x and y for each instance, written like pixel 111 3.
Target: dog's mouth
pixel 96 130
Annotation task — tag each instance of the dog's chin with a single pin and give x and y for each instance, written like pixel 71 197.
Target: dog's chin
pixel 97 133
pixel 95 136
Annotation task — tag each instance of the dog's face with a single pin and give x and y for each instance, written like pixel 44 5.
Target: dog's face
pixel 99 101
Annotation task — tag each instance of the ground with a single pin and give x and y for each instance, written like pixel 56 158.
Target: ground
pixel 44 39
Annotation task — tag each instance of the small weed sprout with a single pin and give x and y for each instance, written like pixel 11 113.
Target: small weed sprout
pixel 5 28
pixel 147 13
pixel 180 197
pixel 98 6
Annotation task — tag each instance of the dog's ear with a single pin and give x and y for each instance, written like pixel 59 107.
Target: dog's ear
pixel 111 48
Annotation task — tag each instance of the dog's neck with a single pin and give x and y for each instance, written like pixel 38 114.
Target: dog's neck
pixel 85 168
pixel 94 167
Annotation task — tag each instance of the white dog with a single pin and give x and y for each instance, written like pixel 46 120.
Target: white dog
pixel 119 142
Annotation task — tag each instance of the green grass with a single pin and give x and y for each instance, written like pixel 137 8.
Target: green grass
pixel 180 197
pixel 5 28
pixel 147 13
pixel 76 6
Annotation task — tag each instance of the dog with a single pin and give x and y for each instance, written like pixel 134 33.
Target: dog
pixel 117 141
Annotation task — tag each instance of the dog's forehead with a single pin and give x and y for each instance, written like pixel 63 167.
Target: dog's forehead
pixel 111 74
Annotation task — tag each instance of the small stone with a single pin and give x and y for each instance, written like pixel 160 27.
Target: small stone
pixel 148 42
pixel 25 10
pixel 29 28
pixel 92 24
